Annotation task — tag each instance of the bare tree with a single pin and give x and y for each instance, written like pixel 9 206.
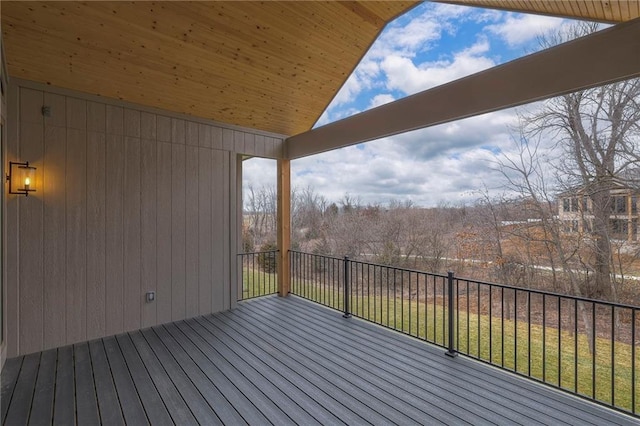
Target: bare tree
pixel 307 214
pixel 347 231
pixel 526 174
pixel 260 215
pixel 598 131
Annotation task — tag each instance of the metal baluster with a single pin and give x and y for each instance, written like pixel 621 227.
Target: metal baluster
pixel 347 313
pixel 613 355
pixel 451 349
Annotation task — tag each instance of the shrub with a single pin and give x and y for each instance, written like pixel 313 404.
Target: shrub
pixel 247 242
pixel 267 257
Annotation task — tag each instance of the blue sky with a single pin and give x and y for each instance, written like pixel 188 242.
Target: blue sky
pixel 430 45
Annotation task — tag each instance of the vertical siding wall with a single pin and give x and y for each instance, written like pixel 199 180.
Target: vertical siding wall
pixel 128 201
pixel 3 287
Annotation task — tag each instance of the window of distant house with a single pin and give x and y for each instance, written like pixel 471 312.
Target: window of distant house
pixel 585 204
pixel 634 204
pixel 619 228
pixel 570 204
pixel 619 204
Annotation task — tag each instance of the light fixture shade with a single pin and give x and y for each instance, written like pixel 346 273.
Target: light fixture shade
pixel 22 178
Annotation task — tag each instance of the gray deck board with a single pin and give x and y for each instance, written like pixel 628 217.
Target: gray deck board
pixel 276 361
pixel 212 377
pixel 42 405
pixel 248 381
pixel 19 410
pixel 87 404
pixel 10 374
pixel 132 409
pixel 198 396
pixel 109 406
pixel 174 402
pixel 151 400
pixel 487 380
pixel 64 411
pixel 367 403
pixel 288 384
pixel 419 401
pixel 414 372
pixel 288 366
pixel 495 386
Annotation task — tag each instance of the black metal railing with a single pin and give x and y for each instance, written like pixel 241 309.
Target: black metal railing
pixel 320 278
pixel 405 300
pixel 259 273
pixel 582 346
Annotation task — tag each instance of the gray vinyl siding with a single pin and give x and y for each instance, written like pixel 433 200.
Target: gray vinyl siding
pixel 129 200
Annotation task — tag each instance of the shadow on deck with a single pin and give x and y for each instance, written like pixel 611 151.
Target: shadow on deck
pixel 275 361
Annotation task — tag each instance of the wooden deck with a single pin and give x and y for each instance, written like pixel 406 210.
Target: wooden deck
pixel 275 361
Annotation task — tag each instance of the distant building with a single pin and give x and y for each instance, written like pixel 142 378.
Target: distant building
pixel 575 210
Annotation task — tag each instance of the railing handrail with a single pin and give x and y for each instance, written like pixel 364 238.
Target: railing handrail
pixel 315 254
pixel 258 252
pixel 474 281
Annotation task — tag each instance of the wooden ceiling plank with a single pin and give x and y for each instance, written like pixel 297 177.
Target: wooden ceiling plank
pixel 542 7
pixel 200 43
pixel 190 71
pixel 634 10
pixel 366 14
pixel 284 32
pixel 562 69
pixel 577 9
pixel 593 11
pixel 603 9
pixel 582 7
pixel 621 10
pixel 160 98
pixel 307 92
pixel 573 8
pixel 215 48
pixel 284 78
pixel 557 8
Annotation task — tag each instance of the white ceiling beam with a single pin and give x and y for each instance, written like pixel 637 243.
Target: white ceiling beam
pixel 604 57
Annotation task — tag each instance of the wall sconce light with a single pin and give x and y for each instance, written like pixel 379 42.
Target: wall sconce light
pixel 21 178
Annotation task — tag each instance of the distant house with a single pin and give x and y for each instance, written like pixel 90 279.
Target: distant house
pixel 575 210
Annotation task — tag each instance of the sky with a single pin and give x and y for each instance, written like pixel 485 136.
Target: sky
pixel 447 164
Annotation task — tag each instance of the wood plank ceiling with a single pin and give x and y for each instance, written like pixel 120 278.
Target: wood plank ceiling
pixel 273 66
pixel 605 11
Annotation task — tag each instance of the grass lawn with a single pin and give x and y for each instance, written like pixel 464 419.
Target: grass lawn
pixel 256 282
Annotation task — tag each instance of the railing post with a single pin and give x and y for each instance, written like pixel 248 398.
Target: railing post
pixel 451 350
pixel 347 276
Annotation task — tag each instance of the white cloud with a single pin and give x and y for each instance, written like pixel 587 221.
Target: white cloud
pixel 381 99
pixel 404 40
pixel 448 163
pixel 445 163
pixel 323 119
pixel 517 30
pixel 401 37
pixel 409 38
pixel 402 74
pixel 348 91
